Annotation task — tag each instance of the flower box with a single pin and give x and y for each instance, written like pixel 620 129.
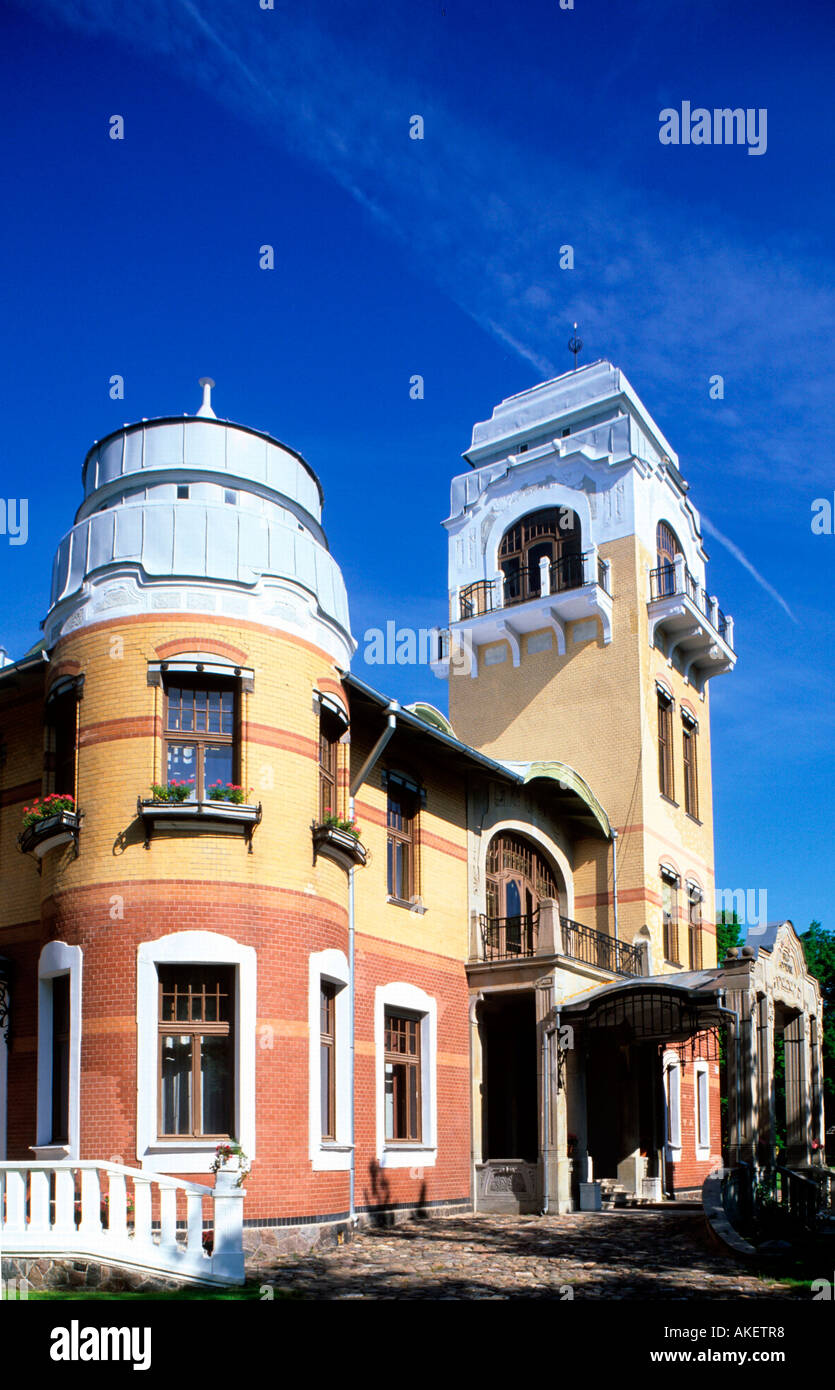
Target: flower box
pixel 343 847
pixel 49 832
pixel 221 817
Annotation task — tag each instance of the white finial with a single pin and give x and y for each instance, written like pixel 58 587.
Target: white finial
pixel 206 408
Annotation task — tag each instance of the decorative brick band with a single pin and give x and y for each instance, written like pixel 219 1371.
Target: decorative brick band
pixel 108 730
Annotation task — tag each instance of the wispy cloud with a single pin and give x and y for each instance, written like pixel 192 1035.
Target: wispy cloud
pixel 743 560
pixel 483 216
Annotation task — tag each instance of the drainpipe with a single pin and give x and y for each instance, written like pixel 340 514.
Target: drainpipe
pixel 734 1014
pixel 371 760
pixel 547 1125
pixel 615 882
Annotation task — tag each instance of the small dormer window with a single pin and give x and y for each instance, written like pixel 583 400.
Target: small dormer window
pixel 182 492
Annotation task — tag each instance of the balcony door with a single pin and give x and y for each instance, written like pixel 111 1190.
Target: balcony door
pixel 667 547
pixel 518 877
pixel 552 534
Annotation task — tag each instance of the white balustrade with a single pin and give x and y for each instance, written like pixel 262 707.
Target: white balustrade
pixel 107 1212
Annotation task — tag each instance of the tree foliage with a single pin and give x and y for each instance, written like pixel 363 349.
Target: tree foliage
pixel 819 950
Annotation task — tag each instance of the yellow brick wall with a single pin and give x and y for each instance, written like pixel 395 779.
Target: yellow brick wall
pixel 595 709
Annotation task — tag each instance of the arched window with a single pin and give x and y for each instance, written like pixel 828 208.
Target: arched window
pixel 667 547
pixel 552 534
pixel 518 878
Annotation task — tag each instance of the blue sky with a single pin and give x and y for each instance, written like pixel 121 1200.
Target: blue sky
pixel 441 257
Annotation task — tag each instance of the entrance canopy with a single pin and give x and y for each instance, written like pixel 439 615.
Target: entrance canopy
pixel 663 1008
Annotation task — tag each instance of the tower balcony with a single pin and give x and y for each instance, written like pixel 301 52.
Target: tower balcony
pixel 508 606
pixel 685 621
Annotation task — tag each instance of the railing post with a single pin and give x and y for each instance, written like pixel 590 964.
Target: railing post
pixel 168 1221
pixel 681 575
pixel 544 576
pixel 606 567
pixel 90 1224
pixel 590 566
pixel 498 590
pixel 64 1202
pixel 549 936
pixel 455 605
pixel 194 1224
pixel 729 631
pixel 39 1202
pixel 15 1223
pixel 142 1211
pixel 117 1206
pixel 228 1203
pixel 713 611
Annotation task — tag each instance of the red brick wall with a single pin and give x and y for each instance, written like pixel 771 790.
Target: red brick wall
pixel 285 928
pixel 690 1172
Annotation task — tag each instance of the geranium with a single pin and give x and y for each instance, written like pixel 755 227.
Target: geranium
pixel 43 807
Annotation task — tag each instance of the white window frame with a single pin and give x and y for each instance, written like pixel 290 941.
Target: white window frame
pixel 192 948
pixel 330 1155
pixel 394 1153
pixel 701 1069
pixel 57 958
pixel 672 1105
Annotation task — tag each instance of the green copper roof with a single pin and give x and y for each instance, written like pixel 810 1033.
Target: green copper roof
pixel 569 781
pixel 430 715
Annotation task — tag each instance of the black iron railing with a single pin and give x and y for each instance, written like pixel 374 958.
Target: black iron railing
pixel 663 583
pixel 523 584
pixel 478 598
pixel 568 572
pixel 512 938
pixel 771 1202
pixel 596 948
pixel 509 938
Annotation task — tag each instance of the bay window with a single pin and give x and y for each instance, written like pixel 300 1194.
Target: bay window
pixel 195 1051
pixel 201 739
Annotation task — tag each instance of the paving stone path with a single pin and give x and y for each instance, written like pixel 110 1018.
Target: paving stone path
pixel 622 1255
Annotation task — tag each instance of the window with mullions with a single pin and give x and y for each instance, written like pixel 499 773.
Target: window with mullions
pixel 694 912
pixel 402 825
pixel 60 1059
pixel 329 736
pixel 689 732
pixel 402 1064
pixel 669 910
pixel 327 1054
pixel 200 735
pixel 196 1007
pixel 62 723
pixel 666 780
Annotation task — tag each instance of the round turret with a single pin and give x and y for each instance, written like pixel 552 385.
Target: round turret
pixel 198 514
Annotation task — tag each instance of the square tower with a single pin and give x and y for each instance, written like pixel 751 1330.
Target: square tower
pixel 582 631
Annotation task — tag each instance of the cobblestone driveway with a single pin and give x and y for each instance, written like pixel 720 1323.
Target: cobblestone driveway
pixel 623 1255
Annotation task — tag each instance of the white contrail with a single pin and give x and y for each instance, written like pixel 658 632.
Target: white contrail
pixel 743 560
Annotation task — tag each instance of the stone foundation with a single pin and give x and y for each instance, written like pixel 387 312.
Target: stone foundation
pixel 82 1275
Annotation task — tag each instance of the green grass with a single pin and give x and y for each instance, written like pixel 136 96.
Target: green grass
pixel 249 1293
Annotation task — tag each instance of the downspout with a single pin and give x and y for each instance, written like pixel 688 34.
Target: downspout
pixel 615 878
pixel 734 1014
pixel 547 1127
pixel 371 760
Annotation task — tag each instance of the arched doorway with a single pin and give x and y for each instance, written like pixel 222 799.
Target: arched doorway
pixel 518 877
pixel 552 534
